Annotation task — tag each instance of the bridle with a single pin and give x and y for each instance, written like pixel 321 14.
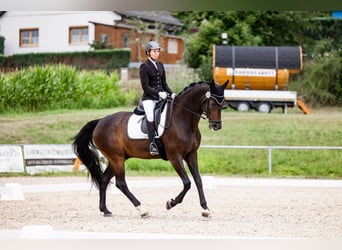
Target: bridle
pixel 219 99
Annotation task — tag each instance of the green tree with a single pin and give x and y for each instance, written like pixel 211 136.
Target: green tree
pixel 321 82
pixel 268 28
pixel 316 32
pixel 199 46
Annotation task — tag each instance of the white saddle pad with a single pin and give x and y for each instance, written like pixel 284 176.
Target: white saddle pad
pixel 134 126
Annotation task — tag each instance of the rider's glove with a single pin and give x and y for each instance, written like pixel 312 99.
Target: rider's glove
pixel 173 95
pixel 162 95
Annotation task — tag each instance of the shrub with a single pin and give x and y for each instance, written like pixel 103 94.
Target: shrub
pixel 321 81
pixel 2 61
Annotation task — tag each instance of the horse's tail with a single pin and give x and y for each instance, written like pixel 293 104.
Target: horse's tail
pixel 85 149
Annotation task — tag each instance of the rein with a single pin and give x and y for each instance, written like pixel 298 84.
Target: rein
pixel 208 96
pixel 183 107
pixel 187 109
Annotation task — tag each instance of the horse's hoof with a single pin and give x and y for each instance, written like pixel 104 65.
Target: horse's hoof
pixel 206 214
pixel 145 215
pixel 168 204
pixel 106 212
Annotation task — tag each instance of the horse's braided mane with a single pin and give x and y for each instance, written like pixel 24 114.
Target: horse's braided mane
pixel 189 87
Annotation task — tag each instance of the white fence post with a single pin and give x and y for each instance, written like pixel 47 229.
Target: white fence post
pixel 270 160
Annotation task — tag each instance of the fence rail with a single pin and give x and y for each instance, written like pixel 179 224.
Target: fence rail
pixel 12 157
pixel 270 149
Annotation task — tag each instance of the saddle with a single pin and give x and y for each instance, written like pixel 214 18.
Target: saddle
pixel 159 108
pixel 137 124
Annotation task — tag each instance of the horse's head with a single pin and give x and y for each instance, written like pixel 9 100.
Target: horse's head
pixel 212 106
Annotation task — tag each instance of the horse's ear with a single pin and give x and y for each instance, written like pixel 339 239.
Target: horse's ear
pixel 212 86
pixel 225 85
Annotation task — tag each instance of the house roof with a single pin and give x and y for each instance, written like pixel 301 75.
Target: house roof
pixel 152 16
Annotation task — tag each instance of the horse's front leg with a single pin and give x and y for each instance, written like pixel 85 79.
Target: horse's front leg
pixel 191 160
pixel 121 184
pixel 179 167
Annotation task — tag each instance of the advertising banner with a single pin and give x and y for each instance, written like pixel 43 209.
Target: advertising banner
pixel 48 158
pixel 11 158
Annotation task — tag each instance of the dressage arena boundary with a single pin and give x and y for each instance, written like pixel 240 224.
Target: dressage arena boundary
pixel 16 191
pixel 60 157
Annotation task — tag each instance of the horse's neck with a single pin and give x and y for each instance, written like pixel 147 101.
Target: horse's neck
pixel 192 99
pixel 189 108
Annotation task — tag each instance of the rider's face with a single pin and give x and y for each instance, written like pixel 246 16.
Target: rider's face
pixel 154 53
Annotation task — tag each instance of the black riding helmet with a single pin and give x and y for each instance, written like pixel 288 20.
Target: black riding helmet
pixel 151 45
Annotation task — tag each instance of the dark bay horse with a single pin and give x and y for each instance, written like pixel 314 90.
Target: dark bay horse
pixel 181 141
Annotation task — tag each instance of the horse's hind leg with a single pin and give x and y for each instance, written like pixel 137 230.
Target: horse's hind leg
pixel 105 179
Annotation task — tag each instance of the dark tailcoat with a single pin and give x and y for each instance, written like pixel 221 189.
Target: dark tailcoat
pixel 153 80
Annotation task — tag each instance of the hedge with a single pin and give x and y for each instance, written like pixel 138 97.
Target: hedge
pixel 2 60
pixel 2 45
pixel 97 59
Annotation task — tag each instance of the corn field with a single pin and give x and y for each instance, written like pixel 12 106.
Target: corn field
pixel 59 86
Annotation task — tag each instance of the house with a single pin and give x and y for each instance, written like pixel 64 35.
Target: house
pixel 136 28
pixel 56 31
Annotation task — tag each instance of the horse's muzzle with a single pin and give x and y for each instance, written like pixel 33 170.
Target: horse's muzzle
pixel 215 125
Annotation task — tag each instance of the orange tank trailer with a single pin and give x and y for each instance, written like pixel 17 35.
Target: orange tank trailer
pixel 256 67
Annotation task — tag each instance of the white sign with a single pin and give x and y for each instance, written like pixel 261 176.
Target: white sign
pixel 48 157
pixel 251 72
pixel 11 158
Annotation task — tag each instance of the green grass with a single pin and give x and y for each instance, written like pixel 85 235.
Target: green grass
pixel 322 128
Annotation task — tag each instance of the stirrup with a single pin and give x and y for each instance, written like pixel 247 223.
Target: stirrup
pixel 153 149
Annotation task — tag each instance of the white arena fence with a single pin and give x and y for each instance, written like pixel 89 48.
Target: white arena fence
pixel 36 158
pixel 271 148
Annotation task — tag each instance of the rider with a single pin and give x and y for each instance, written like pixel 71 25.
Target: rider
pixel 153 83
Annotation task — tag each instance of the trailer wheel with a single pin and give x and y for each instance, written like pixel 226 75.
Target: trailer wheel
pixel 242 107
pixel 264 107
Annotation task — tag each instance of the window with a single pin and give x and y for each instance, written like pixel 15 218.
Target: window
pixel 78 35
pixel 29 37
pixel 172 46
pixel 104 38
pixel 125 43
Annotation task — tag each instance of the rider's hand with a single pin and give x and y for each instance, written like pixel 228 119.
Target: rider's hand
pixel 162 95
pixel 173 95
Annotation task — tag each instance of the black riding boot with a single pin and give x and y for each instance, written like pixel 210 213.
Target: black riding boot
pixel 150 133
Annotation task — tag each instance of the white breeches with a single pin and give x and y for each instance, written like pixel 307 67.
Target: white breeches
pixel 149 109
